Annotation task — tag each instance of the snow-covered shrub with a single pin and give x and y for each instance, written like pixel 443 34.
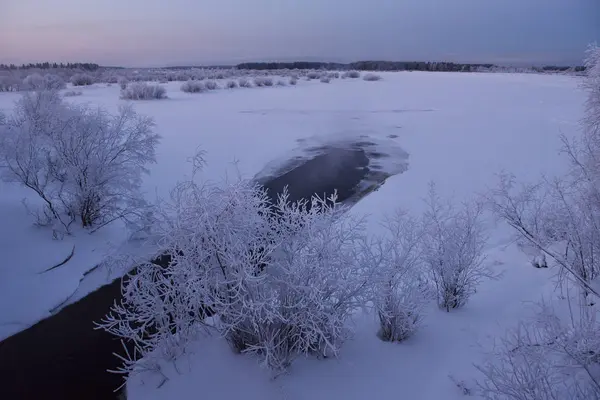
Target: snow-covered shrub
pixel 281 82
pixel 325 79
pixel 244 83
pixel 351 74
pixel 84 163
pixel 371 77
pixel 561 217
pixel 193 87
pixel 453 249
pixel 231 84
pixel 36 81
pixel 10 83
pixel 72 93
pixel 313 75
pixel 143 91
pixel 557 356
pixel 545 358
pixel 280 280
pixel 211 85
pixel 123 82
pixel 293 81
pixel 334 75
pixel 82 80
pixel 260 81
pixel 400 292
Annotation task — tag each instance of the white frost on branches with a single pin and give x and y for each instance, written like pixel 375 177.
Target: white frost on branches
pixel 281 280
pixel 84 163
pixel 453 250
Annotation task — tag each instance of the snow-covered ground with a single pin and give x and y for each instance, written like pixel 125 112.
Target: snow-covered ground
pixel 458 129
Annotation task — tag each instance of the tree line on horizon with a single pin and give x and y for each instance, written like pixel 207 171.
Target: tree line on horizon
pixel 358 65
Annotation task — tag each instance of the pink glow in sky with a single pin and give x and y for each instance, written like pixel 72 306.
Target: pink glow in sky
pixel 168 32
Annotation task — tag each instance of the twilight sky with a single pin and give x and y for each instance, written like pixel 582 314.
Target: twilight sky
pixel 176 32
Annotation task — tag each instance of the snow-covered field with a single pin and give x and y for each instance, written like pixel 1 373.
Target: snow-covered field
pixel 459 131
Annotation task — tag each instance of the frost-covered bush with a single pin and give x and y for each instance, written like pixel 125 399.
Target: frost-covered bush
pixel 143 91
pixel 10 83
pixel 371 77
pixel 545 358
pixel 85 164
pixel 82 80
pixel 244 83
pixel 293 81
pixel 280 280
pixel 351 74
pixel 325 79
pixel 557 356
pixel 313 75
pixel 453 249
pixel 211 85
pixel 72 93
pixel 400 292
pixel 231 84
pixel 36 81
pixel 193 87
pixel 260 81
pixel 560 218
pixel 123 82
pixel 281 82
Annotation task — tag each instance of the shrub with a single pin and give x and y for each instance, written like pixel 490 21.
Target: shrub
pixel 351 74
pixel 293 81
pixel 372 77
pixel 36 81
pixel 244 83
pixel 454 242
pixel 281 280
pixel 72 93
pixel 82 80
pixel 313 75
pixel 400 292
pixel 231 84
pixel 545 358
pixel 143 91
pixel 325 79
pixel 193 87
pixel 263 81
pixel 281 82
pixel 84 163
pixel 211 85
pixel 123 82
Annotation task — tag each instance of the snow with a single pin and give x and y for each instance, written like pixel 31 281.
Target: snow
pixel 459 130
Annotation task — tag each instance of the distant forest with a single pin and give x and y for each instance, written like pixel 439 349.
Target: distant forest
pixel 391 66
pixel 48 65
pixel 359 65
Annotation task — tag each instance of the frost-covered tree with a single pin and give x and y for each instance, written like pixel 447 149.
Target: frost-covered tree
pixel 453 249
pixel 84 163
pixel 557 356
pixel 280 280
